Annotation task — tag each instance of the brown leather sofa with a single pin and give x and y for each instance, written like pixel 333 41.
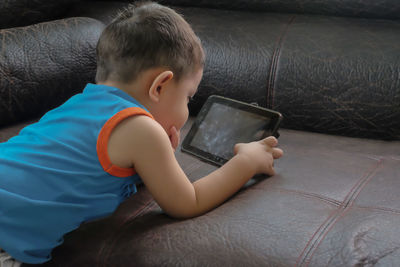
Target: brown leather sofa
pixel 332 68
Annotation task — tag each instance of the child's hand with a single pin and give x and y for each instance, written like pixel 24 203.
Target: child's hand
pixel 174 137
pixel 261 154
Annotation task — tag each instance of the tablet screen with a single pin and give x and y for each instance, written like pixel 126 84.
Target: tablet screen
pixel 225 126
pixel 222 123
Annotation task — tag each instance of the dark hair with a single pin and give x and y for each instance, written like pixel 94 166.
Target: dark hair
pixel 143 36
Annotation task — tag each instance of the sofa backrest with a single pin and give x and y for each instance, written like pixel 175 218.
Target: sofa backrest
pixel 25 12
pixel 385 9
pixel 15 13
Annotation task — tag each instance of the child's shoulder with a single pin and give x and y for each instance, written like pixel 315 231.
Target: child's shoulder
pixel 133 137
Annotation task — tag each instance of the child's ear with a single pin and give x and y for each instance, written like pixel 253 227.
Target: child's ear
pixel 159 83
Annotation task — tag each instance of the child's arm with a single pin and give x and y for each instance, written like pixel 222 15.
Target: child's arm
pixel 149 148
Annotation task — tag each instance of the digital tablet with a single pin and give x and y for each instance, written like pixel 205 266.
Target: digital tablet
pixel 222 123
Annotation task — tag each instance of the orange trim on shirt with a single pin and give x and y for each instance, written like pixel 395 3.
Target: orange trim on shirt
pixel 104 136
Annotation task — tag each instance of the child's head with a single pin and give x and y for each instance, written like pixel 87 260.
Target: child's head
pixel 144 36
pixel 152 53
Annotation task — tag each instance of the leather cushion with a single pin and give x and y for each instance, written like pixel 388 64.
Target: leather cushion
pixel 324 74
pixel 333 201
pixel 44 64
pixel 339 76
pixel 385 9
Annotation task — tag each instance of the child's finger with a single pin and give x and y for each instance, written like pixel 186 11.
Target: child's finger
pixel 277 153
pixel 270 141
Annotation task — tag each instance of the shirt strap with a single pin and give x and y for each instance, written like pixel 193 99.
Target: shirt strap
pixel 104 135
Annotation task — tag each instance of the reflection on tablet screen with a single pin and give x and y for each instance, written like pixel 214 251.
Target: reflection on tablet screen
pixel 225 126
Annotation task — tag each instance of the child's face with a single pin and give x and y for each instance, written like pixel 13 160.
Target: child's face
pixel 172 109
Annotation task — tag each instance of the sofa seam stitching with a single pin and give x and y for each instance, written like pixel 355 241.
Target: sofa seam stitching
pixel 274 64
pixel 305 258
pixel 347 207
pixel 301 258
pixel 377 208
pixel 310 195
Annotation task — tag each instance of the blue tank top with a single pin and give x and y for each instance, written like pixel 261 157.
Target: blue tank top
pixel 56 173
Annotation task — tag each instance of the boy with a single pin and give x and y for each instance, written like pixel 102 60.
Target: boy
pixel 82 159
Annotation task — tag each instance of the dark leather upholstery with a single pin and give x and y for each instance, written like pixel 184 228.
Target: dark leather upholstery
pixel 15 13
pixel 44 64
pixel 386 9
pixel 334 76
pixel 325 74
pixel 334 201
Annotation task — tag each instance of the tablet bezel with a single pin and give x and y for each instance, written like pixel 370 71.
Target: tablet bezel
pixel 275 117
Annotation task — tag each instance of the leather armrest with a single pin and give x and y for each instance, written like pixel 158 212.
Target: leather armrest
pixel 44 64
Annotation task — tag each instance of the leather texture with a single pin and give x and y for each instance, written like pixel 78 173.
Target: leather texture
pixel 15 13
pixel 333 202
pixel 383 9
pixel 339 76
pixel 44 64
pixel 386 9
pixel 324 74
